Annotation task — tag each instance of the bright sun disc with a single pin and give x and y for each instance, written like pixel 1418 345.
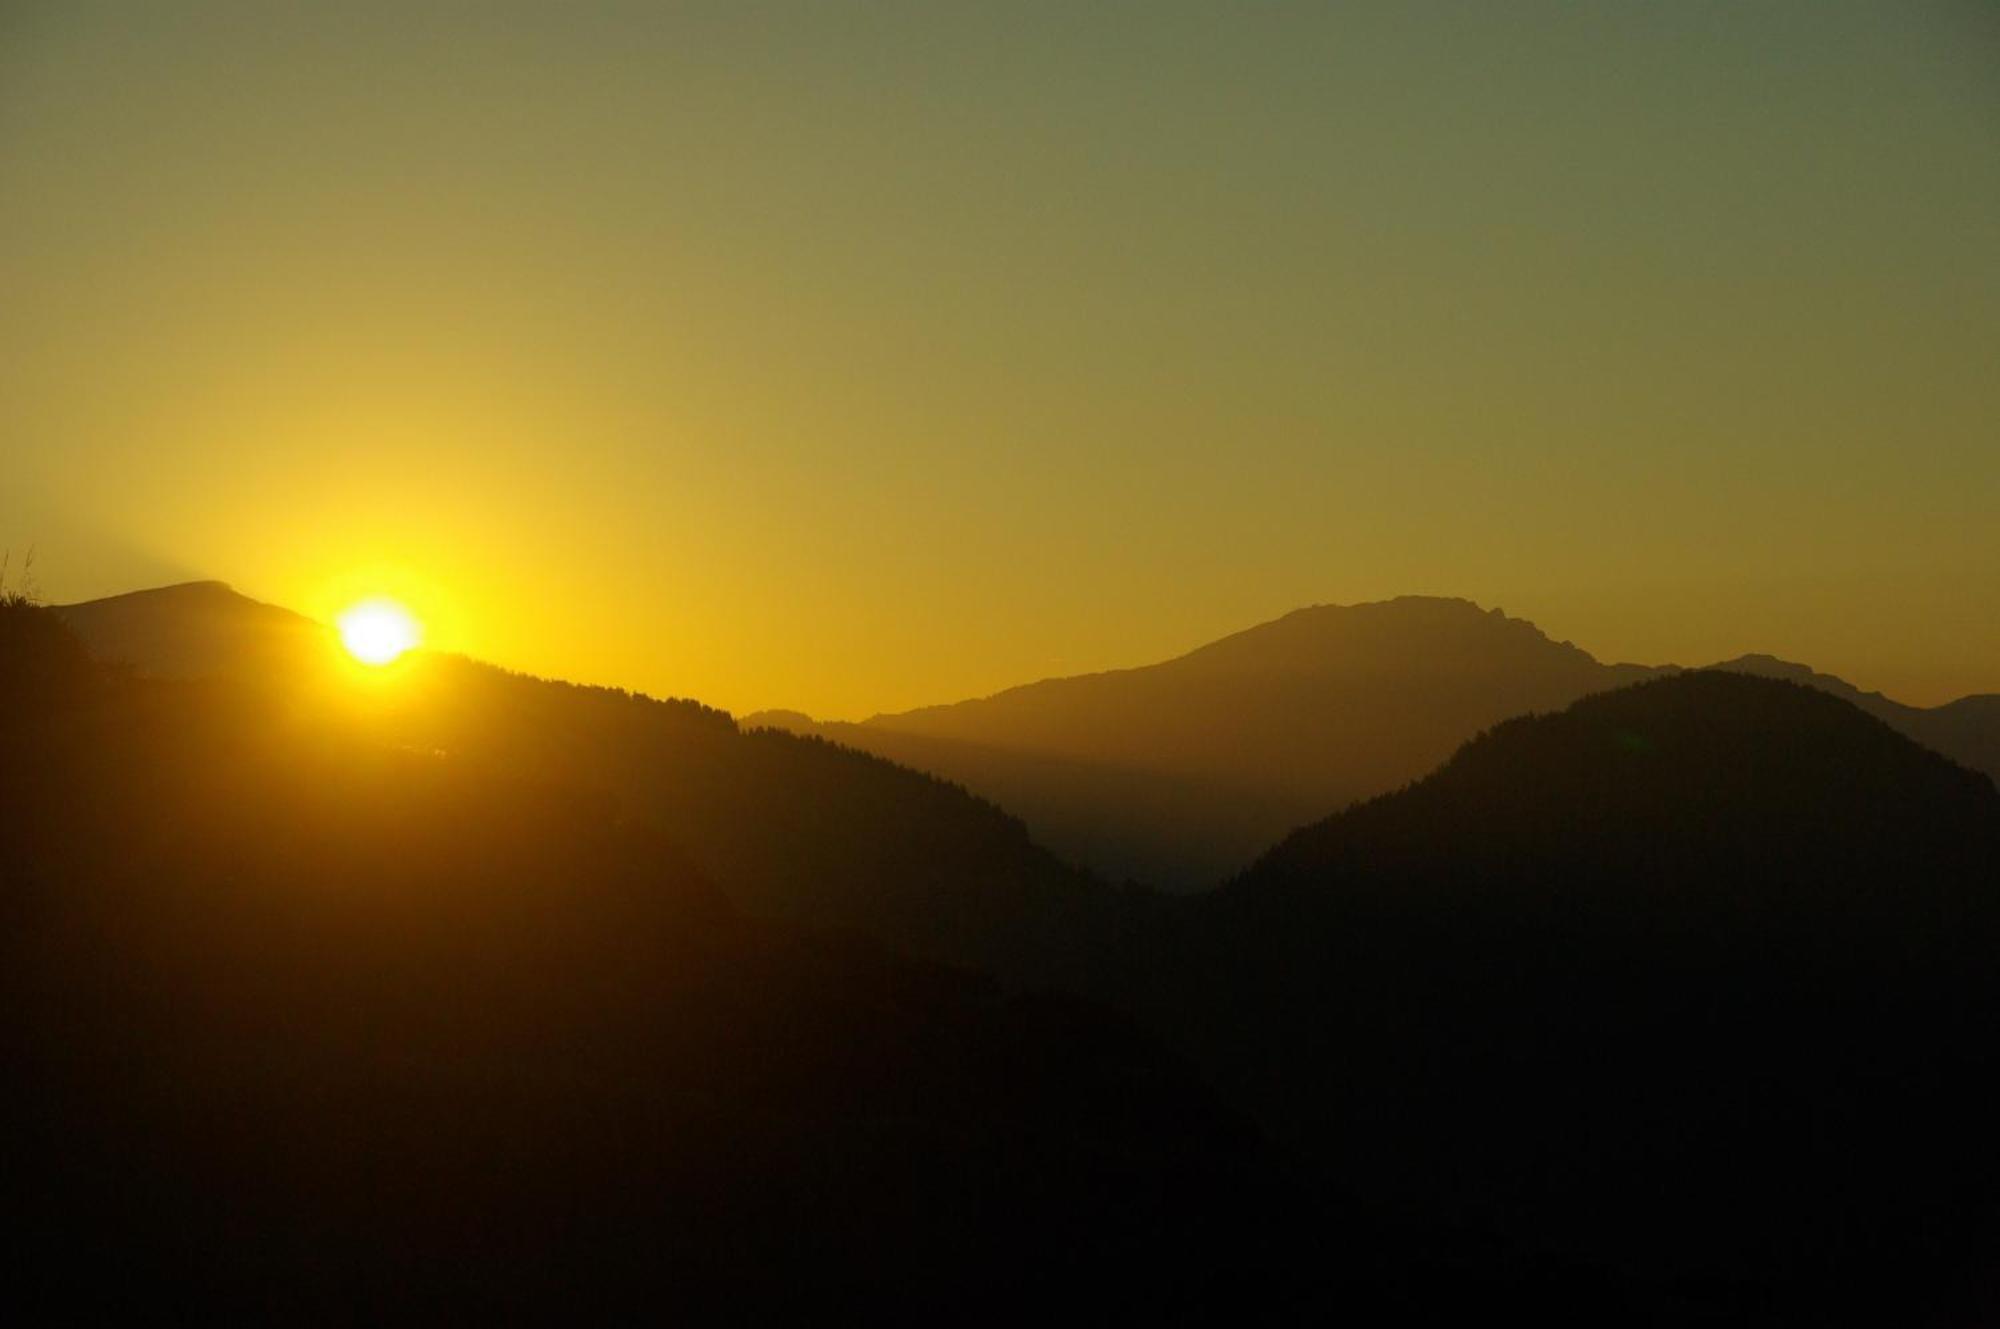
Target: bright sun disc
pixel 375 632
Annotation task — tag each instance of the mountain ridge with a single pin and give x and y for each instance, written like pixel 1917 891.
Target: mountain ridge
pixel 1448 609
pixel 1678 990
pixel 307 1025
pixel 791 828
pixel 1180 772
pixel 192 629
pixel 1175 774
pixel 1690 976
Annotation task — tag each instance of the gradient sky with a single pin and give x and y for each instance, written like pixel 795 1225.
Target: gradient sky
pixel 849 357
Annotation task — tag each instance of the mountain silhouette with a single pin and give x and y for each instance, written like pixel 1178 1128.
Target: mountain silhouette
pixel 1693 980
pixel 1670 1006
pixel 786 827
pixel 301 1024
pixel 200 629
pixel 1966 730
pixel 1178 774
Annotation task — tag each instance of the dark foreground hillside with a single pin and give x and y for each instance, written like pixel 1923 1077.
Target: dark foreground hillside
pixel 1694 982
pixel 786 827
pixel 305 1027
pixel 1677 1006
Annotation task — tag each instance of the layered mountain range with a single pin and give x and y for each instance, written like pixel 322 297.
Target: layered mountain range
pixel 1665 1003
pixel 1174 775
pixel 1178 774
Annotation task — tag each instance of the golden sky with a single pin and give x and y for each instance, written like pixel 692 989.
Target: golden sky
pixel 849 357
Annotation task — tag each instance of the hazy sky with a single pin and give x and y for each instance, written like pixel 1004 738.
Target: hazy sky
pixel 849 357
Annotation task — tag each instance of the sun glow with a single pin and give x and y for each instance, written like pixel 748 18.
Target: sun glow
pixel 377 632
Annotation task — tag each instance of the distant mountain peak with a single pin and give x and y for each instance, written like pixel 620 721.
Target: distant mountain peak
pixel 794 722
pixel 192 629
pixel 1405 606
pixel 1770 666
pixel 1442 629
pixel 182 590
pixel 206 594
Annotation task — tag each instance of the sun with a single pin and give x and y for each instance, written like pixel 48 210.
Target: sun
pixel 377 632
